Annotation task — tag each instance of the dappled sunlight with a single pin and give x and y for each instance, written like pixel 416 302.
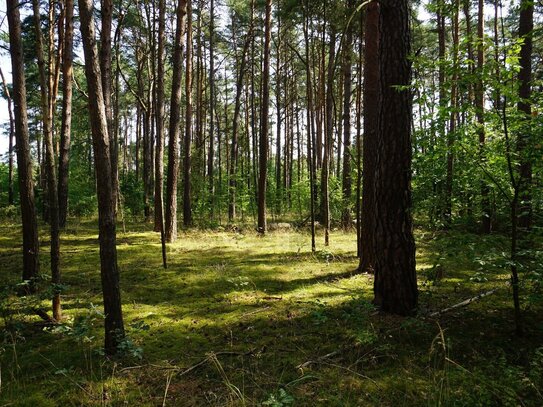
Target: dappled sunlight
pixel 269 309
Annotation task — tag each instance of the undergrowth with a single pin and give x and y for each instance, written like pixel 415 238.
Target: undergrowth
pixel 238 319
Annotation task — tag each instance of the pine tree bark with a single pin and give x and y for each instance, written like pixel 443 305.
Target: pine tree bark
pixel 113 323
pixel 369 145
pixel 264 124
pixel 175 114
pixel 31 264
pixel 395 284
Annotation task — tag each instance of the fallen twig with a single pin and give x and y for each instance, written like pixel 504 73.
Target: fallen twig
pixel 463 303
pixel 318 360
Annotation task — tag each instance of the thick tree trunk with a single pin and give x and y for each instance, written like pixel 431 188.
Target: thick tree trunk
pixel 31 264
pixel 175 113
pixel 264 124
pixel 66 127
pixel 369 145
pixel 395 284
pixel 114 326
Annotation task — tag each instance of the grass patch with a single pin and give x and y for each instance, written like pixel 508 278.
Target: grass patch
pixel 239 319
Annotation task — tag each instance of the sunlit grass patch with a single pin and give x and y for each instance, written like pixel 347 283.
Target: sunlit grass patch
pixel 240 318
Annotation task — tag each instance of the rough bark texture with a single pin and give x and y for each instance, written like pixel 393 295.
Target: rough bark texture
pixel 66 126
pixel 175 113
pixel 369 145
pixel 31 264
pixel 113 324
pixel 395 284
pixel 264 126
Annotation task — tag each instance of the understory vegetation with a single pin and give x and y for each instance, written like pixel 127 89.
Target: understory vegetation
pixel 243 319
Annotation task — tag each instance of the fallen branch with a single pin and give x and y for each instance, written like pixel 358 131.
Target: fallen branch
pixel 43 315
pixel 463 303
pixel 318 360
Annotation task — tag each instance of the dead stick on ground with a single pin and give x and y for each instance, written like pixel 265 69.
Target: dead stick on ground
pixel 319 359
pixel 463 303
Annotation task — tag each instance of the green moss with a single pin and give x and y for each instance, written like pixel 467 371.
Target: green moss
pixel 238 316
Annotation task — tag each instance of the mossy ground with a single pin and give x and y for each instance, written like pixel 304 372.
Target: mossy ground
pixel 239 319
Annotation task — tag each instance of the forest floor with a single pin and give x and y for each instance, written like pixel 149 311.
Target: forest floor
pixel 239 319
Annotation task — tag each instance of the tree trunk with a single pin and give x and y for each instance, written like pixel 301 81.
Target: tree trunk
pixel 395 284
pixel 46 82
pixel 278 91
pixel 106 14
pixel 31 264
pixel 11 135
pixel 232 168
pixel 369 145
pixel 187 207
pixel 329 133
pixel 264 124
pixel 451 135
pixel 175 113
pixel 347 91
pixel 66 128
pixel 114 326
pixel 212 70
pixel 159 154
pixel 309 129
